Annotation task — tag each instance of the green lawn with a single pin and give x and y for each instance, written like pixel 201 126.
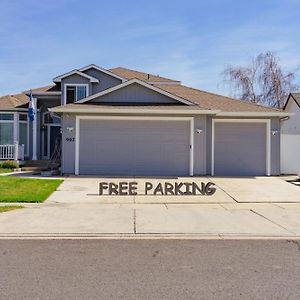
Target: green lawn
pixel 14 189
pixel 5 170
pixel 8 208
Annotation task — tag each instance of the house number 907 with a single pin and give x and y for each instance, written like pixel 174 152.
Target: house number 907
pixel 70 139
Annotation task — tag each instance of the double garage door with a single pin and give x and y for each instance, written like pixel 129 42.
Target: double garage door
pixel 134 147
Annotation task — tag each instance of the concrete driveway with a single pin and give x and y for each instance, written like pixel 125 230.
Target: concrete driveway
pixel 262 207
pixel 229 190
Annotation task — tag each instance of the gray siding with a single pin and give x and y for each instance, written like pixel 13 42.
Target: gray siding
pixel 74 79
pixel 275 147
pixel 202 146
pixel 135 93
pixel 68 147
pixel 105 81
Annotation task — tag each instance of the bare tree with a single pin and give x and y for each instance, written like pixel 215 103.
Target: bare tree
pixel 263 81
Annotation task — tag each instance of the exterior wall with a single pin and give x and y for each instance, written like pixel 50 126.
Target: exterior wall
pixel 68 146
pixel 202 145
pixel 105 81
pixel 74 79
pixel 200 123
pixel 135 93
pixel 292 125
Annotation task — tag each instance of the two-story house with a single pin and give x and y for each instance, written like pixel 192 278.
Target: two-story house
pixel 121 122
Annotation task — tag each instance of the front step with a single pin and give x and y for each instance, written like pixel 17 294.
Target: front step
pixel 34 169
pixel 37 163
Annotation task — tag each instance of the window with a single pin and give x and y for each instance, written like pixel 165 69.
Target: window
pixel 6 128
pixel 76 92
pixel 6 133
pixel 23 132
pixel 6 117
pixel 50 118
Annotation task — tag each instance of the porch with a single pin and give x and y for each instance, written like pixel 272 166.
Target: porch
pixel 12 152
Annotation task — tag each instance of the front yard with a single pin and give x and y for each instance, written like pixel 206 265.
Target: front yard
pixel 8 208
pixel 5 170
pixel 13 189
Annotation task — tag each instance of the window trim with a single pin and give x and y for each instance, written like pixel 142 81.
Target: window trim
pixel 75 84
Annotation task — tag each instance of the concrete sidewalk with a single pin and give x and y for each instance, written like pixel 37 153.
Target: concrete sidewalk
pixel 241 207
pixel 181 220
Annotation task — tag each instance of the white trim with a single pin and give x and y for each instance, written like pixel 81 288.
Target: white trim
pixel 133 110
pixel 255 114
pixel 268 139
pixel 140 82
pixel 141 118
pixel 102 70
pixel 34 131
pixel 75 84
pixel 16 128
pixel 60 77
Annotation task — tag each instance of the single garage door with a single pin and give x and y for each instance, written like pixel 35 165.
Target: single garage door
pixel 240 149
pixel 134 147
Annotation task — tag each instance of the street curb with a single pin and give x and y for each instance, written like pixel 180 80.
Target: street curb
pixel 146 236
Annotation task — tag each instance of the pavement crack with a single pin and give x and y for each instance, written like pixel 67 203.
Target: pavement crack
pixel 224 191
pixel 271 221
pixel 297 243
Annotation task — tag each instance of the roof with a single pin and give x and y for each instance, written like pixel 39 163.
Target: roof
pixel 208 100
pixel 60 77
pixel 201 99
pixel 20 100
pixel 295 97
pixel 130 74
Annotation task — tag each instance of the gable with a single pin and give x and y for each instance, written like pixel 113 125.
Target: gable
pixel 106 81
pixel 135 93
pixel 292 124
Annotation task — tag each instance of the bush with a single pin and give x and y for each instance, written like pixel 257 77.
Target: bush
pixel 9 165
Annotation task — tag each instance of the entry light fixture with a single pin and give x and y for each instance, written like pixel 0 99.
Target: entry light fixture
pixel 198 130
pixel 274 132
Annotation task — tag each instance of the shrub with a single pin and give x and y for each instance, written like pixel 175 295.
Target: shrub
pixel 9 165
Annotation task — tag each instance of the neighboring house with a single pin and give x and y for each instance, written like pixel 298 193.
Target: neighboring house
pixel 123 122
pixel 290 136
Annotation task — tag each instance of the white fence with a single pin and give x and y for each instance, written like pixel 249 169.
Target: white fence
pixel 290 154
pixel 12 152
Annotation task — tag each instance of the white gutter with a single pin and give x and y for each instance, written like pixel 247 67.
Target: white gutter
pixel 46 94
pixel 254 114
pixel 133 110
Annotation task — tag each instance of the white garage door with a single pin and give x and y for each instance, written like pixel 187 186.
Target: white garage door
pixel 134 147
pixel 240 148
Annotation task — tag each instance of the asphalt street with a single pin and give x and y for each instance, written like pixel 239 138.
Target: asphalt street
pixel 149 269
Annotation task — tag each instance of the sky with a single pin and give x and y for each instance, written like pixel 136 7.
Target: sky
pixel 191 41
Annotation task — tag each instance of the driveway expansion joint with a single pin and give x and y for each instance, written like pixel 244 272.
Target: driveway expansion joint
pixel 253 211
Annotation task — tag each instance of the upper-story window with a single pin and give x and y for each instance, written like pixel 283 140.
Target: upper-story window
pixel 75 92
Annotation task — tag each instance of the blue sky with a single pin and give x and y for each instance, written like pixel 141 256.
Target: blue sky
pixel 192 41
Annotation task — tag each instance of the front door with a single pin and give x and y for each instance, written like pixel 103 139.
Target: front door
pixel 51 140
pixel 55 139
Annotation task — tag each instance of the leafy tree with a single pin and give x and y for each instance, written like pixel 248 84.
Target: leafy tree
pixel 262 81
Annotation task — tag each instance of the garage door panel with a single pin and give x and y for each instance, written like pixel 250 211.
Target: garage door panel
pixel 240 149
pixel 134 147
